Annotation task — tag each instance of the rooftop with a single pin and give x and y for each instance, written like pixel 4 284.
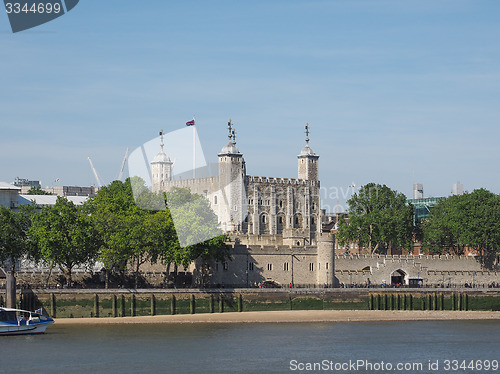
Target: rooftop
pixel 8 186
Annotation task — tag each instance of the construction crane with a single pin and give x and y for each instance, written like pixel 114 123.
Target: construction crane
pixel 123 165
pixel 99 184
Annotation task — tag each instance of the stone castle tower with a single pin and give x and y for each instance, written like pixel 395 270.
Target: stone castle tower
pixel 232 171
pixel 308 161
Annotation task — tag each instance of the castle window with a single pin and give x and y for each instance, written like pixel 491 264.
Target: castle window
pixel 298 243
pixel 326 266
pixel 236 208
pixel 285 266
pixel 311 266
pixel 312 221
pixel 313 206
pixel 263 218
pixel 281 203
pixel 296 220
pixel 270 267
pixel 215 200
pixel 250 266
pixel 246 219
pixel 280 220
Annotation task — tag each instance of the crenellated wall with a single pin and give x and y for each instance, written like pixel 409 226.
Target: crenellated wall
pixel 432 270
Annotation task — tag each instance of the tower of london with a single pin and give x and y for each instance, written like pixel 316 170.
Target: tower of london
pixel 274 222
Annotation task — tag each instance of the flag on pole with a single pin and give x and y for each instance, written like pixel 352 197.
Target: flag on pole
pixel 190 123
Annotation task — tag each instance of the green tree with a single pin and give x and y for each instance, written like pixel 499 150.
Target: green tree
pixel 37 191
pixel 65 235
pixel 14 239
pixel 197 231
pixel 108 211
pixel 134 227
pixel 379 219
pixel 470 221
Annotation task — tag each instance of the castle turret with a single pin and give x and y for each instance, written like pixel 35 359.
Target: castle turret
pixel 308 161
pixel 161 168
pixel 232 200
pixel 325 260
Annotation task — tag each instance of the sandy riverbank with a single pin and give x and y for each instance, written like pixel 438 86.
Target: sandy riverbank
pixel 292 316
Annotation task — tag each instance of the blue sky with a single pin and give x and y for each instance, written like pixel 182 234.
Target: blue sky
pixel 395 92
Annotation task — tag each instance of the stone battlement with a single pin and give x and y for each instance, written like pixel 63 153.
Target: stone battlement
pixel 191 182
pixel 282 181
pixel 405 257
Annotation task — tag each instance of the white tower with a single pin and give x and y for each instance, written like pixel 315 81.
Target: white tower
pixel 161 168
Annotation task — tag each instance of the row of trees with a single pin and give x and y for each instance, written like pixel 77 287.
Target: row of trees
pixel 380 220
pixel 111 228
pixel 470 221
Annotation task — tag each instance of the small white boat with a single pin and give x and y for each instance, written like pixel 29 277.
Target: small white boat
pixel 23 322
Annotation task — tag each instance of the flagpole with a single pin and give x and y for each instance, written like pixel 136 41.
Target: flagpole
pixel 194 149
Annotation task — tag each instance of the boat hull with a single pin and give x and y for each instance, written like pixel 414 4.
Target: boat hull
pixel 23 322
pixel 39 328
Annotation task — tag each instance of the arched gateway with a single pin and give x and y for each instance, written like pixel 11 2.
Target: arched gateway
pixel 398 277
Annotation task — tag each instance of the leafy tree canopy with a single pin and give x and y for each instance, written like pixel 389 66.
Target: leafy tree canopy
pixel 37 191
pixel 14 239
pixel 134 226
pixel 65 235
pixel 470 221
pixel 379 219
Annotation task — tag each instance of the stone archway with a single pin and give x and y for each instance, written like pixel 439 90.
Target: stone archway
pixel 398 277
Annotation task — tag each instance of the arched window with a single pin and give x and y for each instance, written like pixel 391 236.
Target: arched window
pixel 263 218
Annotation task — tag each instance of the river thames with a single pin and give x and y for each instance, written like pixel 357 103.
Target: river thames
pixel 342 347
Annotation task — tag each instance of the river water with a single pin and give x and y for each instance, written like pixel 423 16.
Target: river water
pixel 256 348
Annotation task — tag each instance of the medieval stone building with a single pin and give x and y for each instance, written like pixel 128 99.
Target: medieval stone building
pixel 274 222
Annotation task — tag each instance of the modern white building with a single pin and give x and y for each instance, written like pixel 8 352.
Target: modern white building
pixel 9 195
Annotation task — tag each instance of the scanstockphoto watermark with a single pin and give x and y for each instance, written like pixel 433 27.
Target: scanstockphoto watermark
pixel 26 14
pixel 332 195
pixel 397 367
